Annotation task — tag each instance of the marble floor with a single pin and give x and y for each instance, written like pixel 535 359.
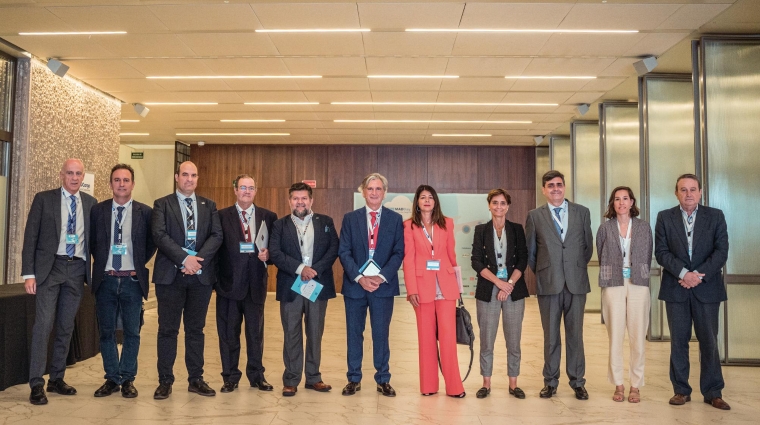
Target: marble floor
pixel 251 406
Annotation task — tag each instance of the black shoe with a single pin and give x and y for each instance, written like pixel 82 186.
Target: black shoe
pixel 352 387
pixel 38 397
pixel 60 387
pixel 107 389
pixel 163 391
pixel 229 387
pixel 263 385
pixel 128 390
pixel 581 393
pixel 547 392
pixel 517 392
pixel 386 389
pixel 201 387
pixel 483 392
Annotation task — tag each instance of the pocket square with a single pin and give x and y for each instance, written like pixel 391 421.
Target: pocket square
pixel 327 229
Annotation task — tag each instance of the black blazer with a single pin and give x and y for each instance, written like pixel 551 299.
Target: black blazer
pixel 101 238
pixel 234 276
pixel 43 232
pixel 285 253
pixel 484 256
pixel 169 235
pixel 710 252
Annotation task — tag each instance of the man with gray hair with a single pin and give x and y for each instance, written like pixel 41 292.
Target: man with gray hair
pixel 371 251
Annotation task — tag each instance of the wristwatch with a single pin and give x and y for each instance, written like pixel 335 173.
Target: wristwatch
pixel 511 282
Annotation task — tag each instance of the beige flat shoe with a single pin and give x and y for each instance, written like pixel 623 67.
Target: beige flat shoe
pixel 634 396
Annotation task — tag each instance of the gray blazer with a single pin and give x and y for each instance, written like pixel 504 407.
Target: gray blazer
pixel 557 263
pixel 43 230
pixel 611 254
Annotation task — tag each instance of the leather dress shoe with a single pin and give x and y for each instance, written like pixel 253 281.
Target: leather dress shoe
pixel 718 403
pixel 386 389
pixel 263 385
pixel 351 388
pixel 60 387
pixel 229 387
pixel 201 387
pixel 319 386
pixel 38 397
pixel 108 388
pixel 581 393
pixel 289 391
pixel 128 389
pixel 547 392
pixel 517 392
pixel 679 399
pixel 483 392
pixel 163 391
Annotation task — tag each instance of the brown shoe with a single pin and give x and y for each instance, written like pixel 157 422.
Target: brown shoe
pixel 319 386
pixel 718 403
pixel 289 391
pixel 680 399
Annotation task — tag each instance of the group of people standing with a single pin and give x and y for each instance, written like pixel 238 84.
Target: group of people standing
pixel 71 239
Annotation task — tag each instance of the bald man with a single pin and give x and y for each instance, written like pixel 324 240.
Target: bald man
pixel 55 264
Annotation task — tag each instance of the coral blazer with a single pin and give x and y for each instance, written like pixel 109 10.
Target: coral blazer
pixel 417 250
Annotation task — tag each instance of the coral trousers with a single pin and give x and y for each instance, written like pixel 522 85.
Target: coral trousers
pixel 436 329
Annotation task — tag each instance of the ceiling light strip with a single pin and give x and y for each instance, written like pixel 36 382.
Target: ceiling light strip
pixel 229 77
pixel 435 121
pixel 315 30
pixel 74 33
pixel 513 30
pixel 443 104
pixel 179 103
pixel 233 134
pixel 412 76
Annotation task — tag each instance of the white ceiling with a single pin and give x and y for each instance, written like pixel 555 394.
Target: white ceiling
pixel 219 38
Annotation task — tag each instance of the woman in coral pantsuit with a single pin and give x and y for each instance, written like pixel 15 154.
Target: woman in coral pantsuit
pixel 432 289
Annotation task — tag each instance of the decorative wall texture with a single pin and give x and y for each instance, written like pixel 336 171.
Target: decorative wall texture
pixel 64 119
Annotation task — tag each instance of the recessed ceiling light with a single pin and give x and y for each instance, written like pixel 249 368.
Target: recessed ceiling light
pixel 180 103
pixel 412 76
pixel 134 134
pixel 319 30
pixel 228 77
pixel 551 77
pixel 233 134
pixel 443 104
pixel 252 120
pixel 461 135
pixel 510 30
pixel 282 103
pixel 74 33
pixel 129 120
pixel 436 121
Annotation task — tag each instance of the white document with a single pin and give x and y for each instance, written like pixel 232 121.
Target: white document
pixel 262 237
pixel 458 273
pixel 370 268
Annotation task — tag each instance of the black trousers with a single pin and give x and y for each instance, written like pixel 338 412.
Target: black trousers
pixel 705 318
pixel 229 318
pixel 186 300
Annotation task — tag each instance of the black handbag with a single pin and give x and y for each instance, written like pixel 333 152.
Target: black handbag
pixel 465 334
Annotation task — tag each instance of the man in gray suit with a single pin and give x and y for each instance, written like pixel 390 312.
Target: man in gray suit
pixel 55 264
pixel 559 249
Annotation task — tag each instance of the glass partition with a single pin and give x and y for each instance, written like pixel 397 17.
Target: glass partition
pixel 543 164
pixel 7 69
pixel 562 161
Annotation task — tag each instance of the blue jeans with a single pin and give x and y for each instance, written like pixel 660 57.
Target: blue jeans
pixel 119 295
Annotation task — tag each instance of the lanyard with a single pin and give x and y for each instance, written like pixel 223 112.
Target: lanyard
pixel 372 232
pixel 429 237
pixel 68 200
pixel 689 225
pixel 246 224
pixel 120 223
pixel 498 242
pixel 298 230
pixel 625 242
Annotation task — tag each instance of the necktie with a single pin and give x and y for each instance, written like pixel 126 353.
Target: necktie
pixel 116 263
pixel 373 220
pixel 556 224
pixel 190 244
pixel 71 227
pixel 246 229
pixel 373 230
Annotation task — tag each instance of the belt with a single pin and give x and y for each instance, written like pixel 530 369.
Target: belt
pixel 121 273
pixel 67 258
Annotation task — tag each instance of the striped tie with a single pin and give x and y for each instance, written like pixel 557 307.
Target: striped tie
pixel 190 244
pixel 71 227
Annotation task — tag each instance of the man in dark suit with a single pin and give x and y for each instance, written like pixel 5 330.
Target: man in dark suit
pixel 187 232
pixel 691 244
pixel 373 233
pixel 55 264
pixel 303 244
pixel 121 244
pixel 241 288
pixel 560 245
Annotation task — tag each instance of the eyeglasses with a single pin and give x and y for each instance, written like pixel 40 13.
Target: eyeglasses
pixel 247 188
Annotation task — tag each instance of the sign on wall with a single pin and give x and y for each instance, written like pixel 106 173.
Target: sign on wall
pixel 88 184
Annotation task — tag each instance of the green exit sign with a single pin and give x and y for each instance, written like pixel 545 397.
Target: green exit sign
pixel 138 155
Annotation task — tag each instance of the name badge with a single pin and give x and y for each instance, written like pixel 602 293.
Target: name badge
pixel 501 274
pixel 190 251
pixel 371 253
pixel 433 264
pixel 72 239
pixel 246 247
pixel 626 272
pixel 120 249
pixel 192 234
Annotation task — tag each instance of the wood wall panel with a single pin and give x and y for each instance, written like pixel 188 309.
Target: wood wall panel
pixel 310 163
pixel 348 165
pixel 506 169
pixel 453 168
pixel 406 167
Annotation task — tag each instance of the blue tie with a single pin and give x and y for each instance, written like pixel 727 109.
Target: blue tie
pixel 116 263
pixel 190 244
pixel 71 227
pixel 556 224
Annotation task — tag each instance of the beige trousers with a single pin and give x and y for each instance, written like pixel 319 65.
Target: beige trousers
pixel 626 307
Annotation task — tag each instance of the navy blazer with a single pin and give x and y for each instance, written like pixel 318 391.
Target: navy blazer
pixel 709 253
pixel 354 251
pixel 101 237
pixel 168 229
pixel 285 253
pixel 233 282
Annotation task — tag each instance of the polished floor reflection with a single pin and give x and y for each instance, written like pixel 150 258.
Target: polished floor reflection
pixel 251 406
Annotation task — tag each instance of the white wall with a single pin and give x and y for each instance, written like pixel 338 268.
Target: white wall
pixel 154 174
